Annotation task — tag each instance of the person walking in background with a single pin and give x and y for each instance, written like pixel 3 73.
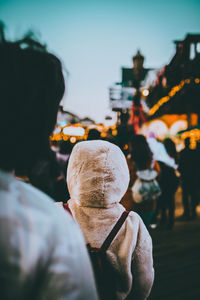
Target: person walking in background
pixel 97 178
pixel 159 151
pixel 167 158
pixel 42 253
pixel 189 169
pixel 143 186
pixel 168 181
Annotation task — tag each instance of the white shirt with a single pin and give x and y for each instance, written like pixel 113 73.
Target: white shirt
pixel 160 153
pixel 39 238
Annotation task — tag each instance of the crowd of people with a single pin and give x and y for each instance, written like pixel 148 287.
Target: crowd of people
pixel 47 222
pixel 43 248
pixel 160 164
pixel 173 169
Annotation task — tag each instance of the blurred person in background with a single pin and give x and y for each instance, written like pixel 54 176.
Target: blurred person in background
pixel 141 162
pixel 166 156
pixel 169 182
pixel 189 169
pixel 159 151
pixel 93 134
pixel 42 253
pixel 63 155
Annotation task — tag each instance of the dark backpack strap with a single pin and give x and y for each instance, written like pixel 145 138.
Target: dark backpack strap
pixel 114 231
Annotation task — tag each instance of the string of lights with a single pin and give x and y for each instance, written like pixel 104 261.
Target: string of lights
pixel 171 94
pixel 193 135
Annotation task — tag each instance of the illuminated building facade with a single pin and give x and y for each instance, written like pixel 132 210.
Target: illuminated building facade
pixel 176 95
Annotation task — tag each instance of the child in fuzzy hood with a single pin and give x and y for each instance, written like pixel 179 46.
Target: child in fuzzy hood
pixel 97 178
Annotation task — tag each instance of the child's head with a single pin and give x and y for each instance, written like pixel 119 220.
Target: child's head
pixel 97 174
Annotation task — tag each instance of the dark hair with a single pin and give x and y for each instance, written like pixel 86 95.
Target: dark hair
pixel 94 134
pixel 31 87
pixel 171 149
pixel 141 153
pixel 66 147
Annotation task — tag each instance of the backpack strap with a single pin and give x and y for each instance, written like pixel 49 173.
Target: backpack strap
pixel 114 231
pixel 66 207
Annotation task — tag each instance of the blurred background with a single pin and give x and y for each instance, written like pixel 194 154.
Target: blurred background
pixel 95 39
pixel 131 67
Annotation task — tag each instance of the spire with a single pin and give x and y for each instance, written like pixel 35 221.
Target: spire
pixel 138 60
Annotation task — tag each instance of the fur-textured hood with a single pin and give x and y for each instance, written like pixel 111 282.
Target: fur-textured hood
pixel 98 174
pixel 97 178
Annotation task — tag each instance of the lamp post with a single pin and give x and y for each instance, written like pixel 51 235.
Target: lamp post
pixel 137 115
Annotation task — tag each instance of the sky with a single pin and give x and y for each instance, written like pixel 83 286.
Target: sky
pixel 94 39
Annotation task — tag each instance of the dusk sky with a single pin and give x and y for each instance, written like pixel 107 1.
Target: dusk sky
pixel 94 39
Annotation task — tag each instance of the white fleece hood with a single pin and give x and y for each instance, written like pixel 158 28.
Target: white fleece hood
pixel 97 178
pixel 97 174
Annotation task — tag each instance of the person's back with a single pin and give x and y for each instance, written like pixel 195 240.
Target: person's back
pixel 189 169
pixel 42 253
pixel 188 166
pixel 145 189
pixel 168 179
pixel 168 182
pixel 97 179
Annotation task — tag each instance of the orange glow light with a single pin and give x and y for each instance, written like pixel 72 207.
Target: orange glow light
pixel 73 140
